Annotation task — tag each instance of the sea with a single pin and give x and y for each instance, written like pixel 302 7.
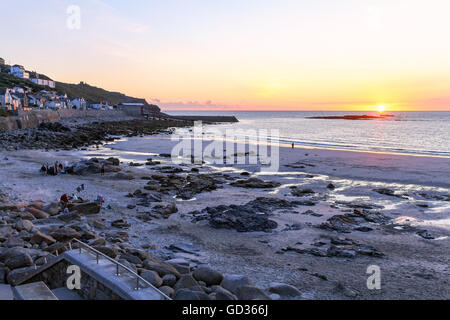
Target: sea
pixel 417 133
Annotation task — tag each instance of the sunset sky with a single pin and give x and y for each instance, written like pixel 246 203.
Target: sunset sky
pixel 242 54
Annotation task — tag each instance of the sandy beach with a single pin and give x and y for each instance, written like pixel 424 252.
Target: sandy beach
pixel 408 239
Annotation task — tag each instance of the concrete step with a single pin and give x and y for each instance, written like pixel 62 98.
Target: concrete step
pixel 66 294
pixel 6 292
pixel 105 273
pixel 33 291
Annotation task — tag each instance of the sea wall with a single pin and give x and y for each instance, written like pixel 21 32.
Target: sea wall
pixel 73 113
pixel 27 120
pixel 32 119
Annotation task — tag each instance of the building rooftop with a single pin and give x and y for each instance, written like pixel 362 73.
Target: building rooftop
pixel 132 104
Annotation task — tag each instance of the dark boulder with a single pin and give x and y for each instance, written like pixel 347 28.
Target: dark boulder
pixel 255 183
pixel 208 275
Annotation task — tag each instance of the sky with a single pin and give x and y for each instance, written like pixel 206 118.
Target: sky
pixel 241 54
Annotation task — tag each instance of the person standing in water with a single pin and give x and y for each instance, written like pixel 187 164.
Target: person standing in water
pixel 292 145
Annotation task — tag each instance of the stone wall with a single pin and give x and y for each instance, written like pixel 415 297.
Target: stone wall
pixel 91 289
pixel 32 119
pixel 27 120
pixel 56 277
pixel 73 113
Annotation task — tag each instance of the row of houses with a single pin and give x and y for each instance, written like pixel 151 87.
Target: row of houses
pixel 23 98
pixel 14 99
pixel 20 72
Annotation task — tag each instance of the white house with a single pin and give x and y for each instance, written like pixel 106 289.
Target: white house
pixel 19 71
pixel 43 82
pixel 55 104
pixel 18 90
pixel 6 99
pixel 16 104
pixel 101 106
pixel 36 101
pixel 68 103
pixel 79 103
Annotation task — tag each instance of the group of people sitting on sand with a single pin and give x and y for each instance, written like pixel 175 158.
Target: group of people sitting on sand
pixel 65 199
pixel 55 169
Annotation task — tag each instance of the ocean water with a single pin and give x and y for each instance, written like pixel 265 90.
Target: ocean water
pixel 420 133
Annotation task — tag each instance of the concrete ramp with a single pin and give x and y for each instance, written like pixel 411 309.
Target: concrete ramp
pixel 6 292
pixel 34 291
pixel 104 271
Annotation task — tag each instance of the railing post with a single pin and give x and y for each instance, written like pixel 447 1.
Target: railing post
pixel 137 283
pixel 97 257
pixel 117 270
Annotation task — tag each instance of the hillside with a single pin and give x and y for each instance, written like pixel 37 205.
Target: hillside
pixel 90 93
pixel 94 94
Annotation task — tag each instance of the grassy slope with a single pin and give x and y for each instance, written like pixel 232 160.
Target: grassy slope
pixel 90 93
pixel 9 81
pixel 93 94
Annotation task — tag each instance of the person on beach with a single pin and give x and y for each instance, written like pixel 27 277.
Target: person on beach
pixel 43 170
pixel 102 170
pixel 64 200
pixel 100 200
pixel 80 188
pixel 292 145
pixel 51 171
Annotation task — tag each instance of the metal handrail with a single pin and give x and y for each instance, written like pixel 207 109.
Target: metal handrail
pixel 99 254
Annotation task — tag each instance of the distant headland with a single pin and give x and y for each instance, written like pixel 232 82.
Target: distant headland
pixel 353 117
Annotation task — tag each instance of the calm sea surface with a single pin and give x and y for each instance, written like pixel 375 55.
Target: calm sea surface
pixel 424 133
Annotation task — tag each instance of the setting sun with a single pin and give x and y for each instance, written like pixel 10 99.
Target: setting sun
pixel 381 108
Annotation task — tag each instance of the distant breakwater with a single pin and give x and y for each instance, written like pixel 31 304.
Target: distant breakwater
pixel 210 119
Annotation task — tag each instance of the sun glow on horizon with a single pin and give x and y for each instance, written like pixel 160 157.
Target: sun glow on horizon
pixel 381 108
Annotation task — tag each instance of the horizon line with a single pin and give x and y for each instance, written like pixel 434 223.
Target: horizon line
pixel 328 110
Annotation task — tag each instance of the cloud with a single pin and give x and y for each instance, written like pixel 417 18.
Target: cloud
pixel 435 103
pixel 112 16
pixel 186 104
